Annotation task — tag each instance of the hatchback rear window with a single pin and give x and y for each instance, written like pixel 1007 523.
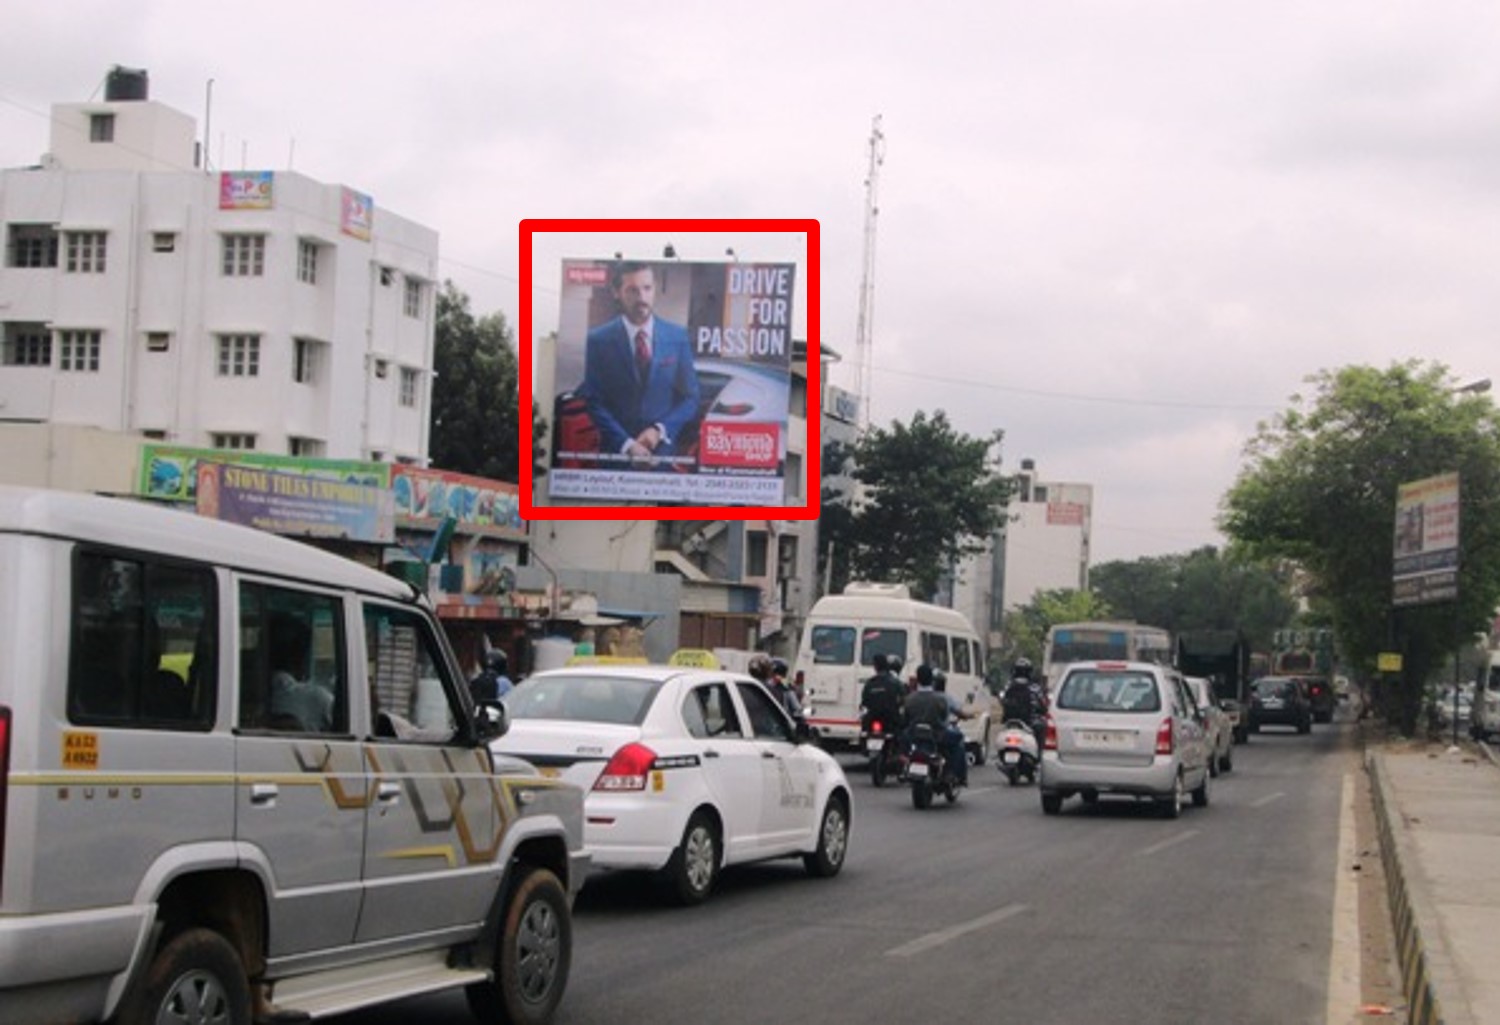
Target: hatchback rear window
pixel 1268 688
pixel 1093 690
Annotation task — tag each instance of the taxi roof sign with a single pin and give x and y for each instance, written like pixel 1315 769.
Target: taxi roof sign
pixel 694 658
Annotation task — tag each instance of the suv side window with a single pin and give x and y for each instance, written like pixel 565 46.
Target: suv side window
pixel 292 673
pixel 411 695
pixel 143 634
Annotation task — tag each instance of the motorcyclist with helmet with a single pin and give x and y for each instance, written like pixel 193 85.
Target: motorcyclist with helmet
pixel 882 695
pixel 936 707
pixel 1023 699
pixel 491 683
pixel 781 689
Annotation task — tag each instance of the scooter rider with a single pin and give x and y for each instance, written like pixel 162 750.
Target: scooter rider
pixel 1023 700
pixel 936 707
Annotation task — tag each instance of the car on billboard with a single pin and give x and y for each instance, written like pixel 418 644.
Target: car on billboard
pixel 731 393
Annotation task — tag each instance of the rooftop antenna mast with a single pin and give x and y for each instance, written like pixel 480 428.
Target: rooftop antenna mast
pixel 864 331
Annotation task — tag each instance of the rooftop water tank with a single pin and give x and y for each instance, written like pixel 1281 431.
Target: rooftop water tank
pixel 126 84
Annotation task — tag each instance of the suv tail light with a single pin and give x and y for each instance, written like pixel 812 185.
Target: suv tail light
pixel 1050 743
pixel 627 769
pixel 1164 737
pixel 4 779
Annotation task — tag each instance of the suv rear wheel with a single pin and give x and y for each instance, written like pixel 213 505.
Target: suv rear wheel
pixel 196 977
pixel 533 955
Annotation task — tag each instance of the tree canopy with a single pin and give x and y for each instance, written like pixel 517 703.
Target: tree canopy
pixel 1199 590
pixel 927 496
pixel 475 398
pixel 1319 488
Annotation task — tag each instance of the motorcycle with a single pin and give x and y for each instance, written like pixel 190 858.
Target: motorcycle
pixel 1016 753
pixel 927 770
pixel 883 747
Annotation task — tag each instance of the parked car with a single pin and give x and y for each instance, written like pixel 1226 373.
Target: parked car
pixel 1217 722
pixel 685 770
pixel 1442 706
pixel 1124 728
pixel 1280 700
pixel 241 776
pixel 1320 697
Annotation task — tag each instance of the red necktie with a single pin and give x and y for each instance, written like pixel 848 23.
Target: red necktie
pixel 642 356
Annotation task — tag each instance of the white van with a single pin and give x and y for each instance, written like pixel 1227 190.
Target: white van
pixel 243 773
pixel 1484 713
pixel 846 631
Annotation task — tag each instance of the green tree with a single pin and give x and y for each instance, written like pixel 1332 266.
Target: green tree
pixel 1199 590
pixel 1319 488
pixel 930 497
pixel 1025 627
pixel 475 398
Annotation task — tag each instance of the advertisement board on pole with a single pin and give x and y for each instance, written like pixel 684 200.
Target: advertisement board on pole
pixel 673 382
pixel 1425 564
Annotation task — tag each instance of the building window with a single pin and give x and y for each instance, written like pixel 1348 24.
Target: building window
pixel 155 435
pixel 237 441
pixel 307 361
pixel 309 447
pixel 28 345
pixel 387 275
pixel 382 368
pixel 85 252
pixel 239 355
pixel 31 245
pixel 101 128
pixel 413 299
pixel 158 341
pixel 163 241
pixel 793 475
pixel 307 261
pixel 78 350
pixel 244 256
pixel 755 553
pixel 408 386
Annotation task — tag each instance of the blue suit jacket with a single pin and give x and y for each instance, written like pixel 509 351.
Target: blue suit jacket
pixel 622 404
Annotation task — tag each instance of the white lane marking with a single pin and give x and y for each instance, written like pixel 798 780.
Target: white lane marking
pixel 1344 983
pixel 1171 841
pixel 953 932
pixel 1263 801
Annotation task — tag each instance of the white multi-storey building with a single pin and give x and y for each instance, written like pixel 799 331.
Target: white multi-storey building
pixel 261 310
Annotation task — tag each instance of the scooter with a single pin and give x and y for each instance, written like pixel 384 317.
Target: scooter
pixel 883 747
pixel 1016 751
pixel 927 770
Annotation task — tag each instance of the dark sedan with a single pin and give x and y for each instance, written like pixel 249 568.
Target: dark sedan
pixel 1280 700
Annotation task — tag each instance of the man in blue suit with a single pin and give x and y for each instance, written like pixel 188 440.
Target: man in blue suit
pixel 638 378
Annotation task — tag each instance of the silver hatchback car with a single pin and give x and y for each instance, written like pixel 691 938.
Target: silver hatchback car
pixel 1124 728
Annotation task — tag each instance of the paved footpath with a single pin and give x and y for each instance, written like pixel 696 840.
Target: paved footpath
pixel 1438 811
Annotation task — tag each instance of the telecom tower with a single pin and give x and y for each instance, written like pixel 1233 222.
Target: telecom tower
pixel 864 330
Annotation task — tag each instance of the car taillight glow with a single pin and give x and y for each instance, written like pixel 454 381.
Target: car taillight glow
pixel 1051 742
pixel 876 726
pixel 4 779
pixel 1164 737
pixel 627 769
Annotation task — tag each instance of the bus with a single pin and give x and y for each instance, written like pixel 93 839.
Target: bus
pixel 1119 641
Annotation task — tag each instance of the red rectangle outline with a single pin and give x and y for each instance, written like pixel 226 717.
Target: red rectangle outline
pixel 812 458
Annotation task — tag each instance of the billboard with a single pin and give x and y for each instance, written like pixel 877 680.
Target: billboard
pixel 673 381
pixel 356 213
pixel 294 504
pixel 170 472
pixel 480 506
pixel 1425 563
pixel 246 190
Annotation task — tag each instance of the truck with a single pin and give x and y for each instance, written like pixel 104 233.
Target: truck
pixel 1223 657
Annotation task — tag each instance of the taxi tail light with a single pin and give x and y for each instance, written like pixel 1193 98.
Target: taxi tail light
pixel 1051 742
pixel 628 768
pixel 1164 737
pixel 5 723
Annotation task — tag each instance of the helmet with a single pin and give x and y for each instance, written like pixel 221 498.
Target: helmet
pixel 779 667
pixel 760 667
pixel 1021 668
pixel 939 680
pixel 495 659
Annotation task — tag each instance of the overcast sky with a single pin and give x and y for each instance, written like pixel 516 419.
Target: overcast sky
pixel 1121 232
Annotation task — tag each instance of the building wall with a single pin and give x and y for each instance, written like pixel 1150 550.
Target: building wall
pixel 1047 542
pixel 355 310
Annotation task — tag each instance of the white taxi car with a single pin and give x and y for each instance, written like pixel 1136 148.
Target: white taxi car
pixel 684 770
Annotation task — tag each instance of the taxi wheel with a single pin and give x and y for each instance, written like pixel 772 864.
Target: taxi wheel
pixel 1171 806
pixel 694 864
pixel 197 976
pixel 833 840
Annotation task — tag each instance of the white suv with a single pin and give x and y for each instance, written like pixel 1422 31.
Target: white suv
pixel 1124 728
pixel 242 777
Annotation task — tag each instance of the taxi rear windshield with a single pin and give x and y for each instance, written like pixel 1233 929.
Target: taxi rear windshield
pixel 607 699
pixel 1097 690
